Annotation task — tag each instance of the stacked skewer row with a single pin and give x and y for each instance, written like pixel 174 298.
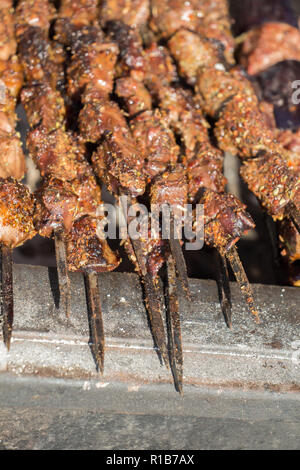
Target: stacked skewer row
pixel 119 93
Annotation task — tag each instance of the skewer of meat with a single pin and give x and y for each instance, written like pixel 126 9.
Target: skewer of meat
pixel 117 161
pixel 16 201
pixel 68 199
pixel 273 84
pixel 241 127
pixel 226 219
pixel 166 178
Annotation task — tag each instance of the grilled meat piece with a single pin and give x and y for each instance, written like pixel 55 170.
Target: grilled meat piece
pixel 88 192
pixel 170 188
pixel 242 129
pixel 156 141
pixel 36 13
pixel 94 65
pixel 225 220
pixel 132 12
pixel 44 106
pixel 131 59
pixel 98 117
pixel 11 77
pixel 216 86
pixel 161 70
pixel 205 170
pixel 86 251
pixel 154 255
pixel 16 209
pixel 54 153
pixel 41 60
pixel 12 157
pixel 56 207
pixel 8 44
pixel 134 94
pixel 192 51
pixel 119 162
pixel 291 141
pixel 79 12
pixel 269 44
pixel 275 193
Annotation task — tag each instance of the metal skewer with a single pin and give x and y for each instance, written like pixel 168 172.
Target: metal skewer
pixel 95 318
pixel 7 302
pixel 241 277
pixel 62 270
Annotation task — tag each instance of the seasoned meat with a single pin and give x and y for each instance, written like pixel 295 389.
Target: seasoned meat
pixel 88 192
pixel 132 12
pixel 153 257
pixel 56 207
pixel 216 86
pixel 156 142
pixel 161 70
pixel 54 153
pixel 289 241
pixel 225 219
pixel 11 77
pixel 269 44
pixel 42 61
pixel 93 64
pixel 275 192
pixel 44 106
pixel 242 129
pixel 79 12
pixel 205 170
pixel 134 94
pixel 87 251
pixel 99 116
pixel 36 13
pixel 171 15
pixel 120 163
pixel 8 44
pixel 131 60
pixel 192 51
pixel 16 213
pixel 291 141
pixel 170 188
pixel 12 158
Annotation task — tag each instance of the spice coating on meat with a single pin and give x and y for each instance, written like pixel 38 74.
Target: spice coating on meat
pixel 132 12
pixel 36 13
pixel 16 211
pixel 275 192
pixel 225 220
pixel 12 161
pixel 41 60
pixel 79 12
pixel 54 153
pixel 153 255
pixel 216 86
pixel 120 162
pixel 44 106
pixel 205 170
pixel 93 65
pixel 8 44
pixel 99 116
pixel 56 207
pixel 170 188
pixel 86 251
pixel 11 77
pixel 161 70
pixel 156 142
pixel 131 59
pixel 269 44
pixel 134 94
pixel 242 128
pixel 191 52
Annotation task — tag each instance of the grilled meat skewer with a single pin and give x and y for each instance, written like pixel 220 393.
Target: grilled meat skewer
pixel 16 201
